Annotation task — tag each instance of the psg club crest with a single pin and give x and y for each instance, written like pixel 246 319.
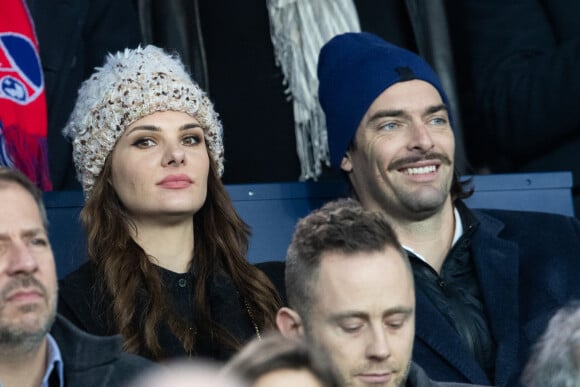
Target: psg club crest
pixel 20 72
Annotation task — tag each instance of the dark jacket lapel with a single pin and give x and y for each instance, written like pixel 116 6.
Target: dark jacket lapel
pixel 497 265
pixel 434 331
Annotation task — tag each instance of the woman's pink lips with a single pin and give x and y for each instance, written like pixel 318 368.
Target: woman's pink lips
pixel 175 181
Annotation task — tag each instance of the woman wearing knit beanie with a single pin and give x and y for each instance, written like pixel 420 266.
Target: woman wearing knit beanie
pixel 166 248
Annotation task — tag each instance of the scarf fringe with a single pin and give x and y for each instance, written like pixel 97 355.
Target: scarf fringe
pixel 27 153
pixel 299 29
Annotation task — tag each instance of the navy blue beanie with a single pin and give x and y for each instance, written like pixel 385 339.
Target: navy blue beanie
pixel 353 70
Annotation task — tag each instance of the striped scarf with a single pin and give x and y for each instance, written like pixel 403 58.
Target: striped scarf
pixel 23 120
pixel 299 28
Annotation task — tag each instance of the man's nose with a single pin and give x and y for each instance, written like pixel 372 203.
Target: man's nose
pixel 420 138
pixel 21 259
pixel 378 347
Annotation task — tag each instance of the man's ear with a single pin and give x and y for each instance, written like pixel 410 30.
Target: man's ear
pixel 346 164
pixel 289 323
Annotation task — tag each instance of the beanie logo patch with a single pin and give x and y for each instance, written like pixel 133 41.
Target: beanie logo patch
pixel 405 73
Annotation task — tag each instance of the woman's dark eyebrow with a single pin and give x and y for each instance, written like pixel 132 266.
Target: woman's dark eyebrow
pixel 151 128
pixel 191 125
pixel 154 128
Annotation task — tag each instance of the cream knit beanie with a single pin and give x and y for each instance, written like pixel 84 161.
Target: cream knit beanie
pixel 131 85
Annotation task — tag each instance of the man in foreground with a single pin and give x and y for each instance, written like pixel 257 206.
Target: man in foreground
pixel 350 291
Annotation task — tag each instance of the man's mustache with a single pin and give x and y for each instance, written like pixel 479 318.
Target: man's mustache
pixel 23 282
pixel 400 163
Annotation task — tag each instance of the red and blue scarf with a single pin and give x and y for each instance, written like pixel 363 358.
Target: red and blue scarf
pixel 23 117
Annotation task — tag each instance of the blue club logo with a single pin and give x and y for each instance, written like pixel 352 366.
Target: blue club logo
pixel 21 78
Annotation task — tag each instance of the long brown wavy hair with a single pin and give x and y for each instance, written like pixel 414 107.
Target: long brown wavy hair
pixel 127 274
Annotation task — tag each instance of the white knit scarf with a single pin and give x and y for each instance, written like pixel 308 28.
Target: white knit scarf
pixel 299 28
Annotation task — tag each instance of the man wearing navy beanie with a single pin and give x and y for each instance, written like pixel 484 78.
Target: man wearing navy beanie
pixel 487 281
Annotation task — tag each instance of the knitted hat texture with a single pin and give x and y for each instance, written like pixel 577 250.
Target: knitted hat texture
pixel 129 86
pixel 353 70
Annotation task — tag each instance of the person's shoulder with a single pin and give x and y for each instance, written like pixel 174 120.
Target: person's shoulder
pixel 536 233
pixel 79 285
pixel 128 366
pixel 81 302
pixel 100 359
pixel 69 338
pixel 529 219
pixel 518 214
pixel 83 276
pixel 418 377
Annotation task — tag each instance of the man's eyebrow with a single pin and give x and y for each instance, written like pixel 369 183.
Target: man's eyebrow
pixel 363 315
pixel 435 109
pixel 336 317
pixel 386 113
pixel 34 232
pixel 26 233
pixel 398 310
pixel 401 113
